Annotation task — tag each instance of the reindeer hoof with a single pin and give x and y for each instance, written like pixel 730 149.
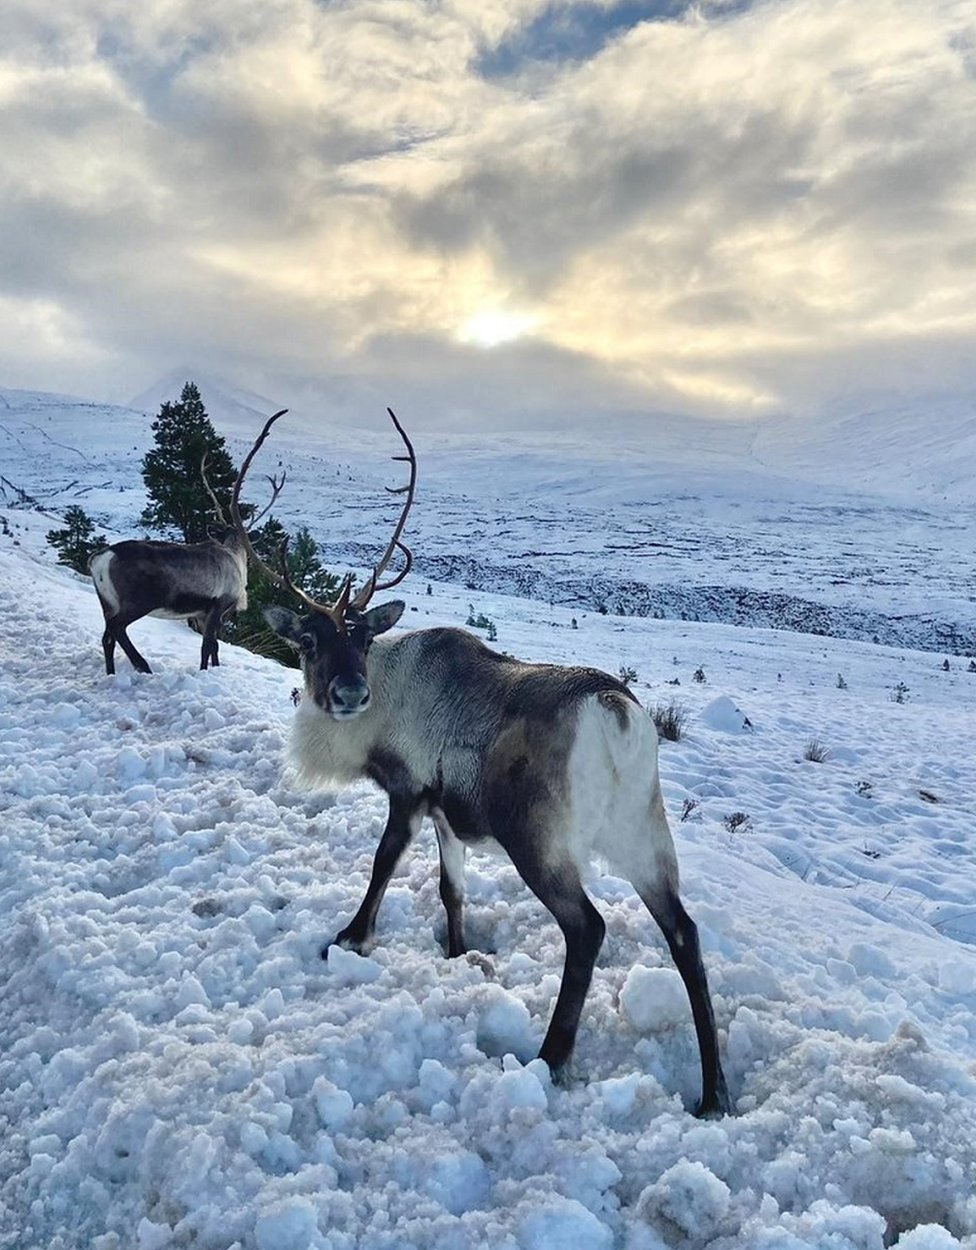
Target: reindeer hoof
pixel 561 1076
pixel 716 1109
pixel 348 943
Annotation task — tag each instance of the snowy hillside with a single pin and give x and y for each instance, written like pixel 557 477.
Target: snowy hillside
pixel 928 449
pixel 917 454
pixel 588 527
pixel 180 1069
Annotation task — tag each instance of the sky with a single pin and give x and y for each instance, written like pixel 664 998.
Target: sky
pixel 499 211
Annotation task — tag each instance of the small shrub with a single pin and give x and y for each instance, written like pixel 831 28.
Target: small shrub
pixel 972 667
pixel 864 789
pixel 687 807
pixel 77 542
pixel 900 693
pixel 945 666
pixel 627 674
pixel 736 821
pixel 669 719
pixel 480 621
pixel 815 751
pixel 699 675
pixel 841 683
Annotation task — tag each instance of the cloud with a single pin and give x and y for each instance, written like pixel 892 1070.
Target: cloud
pixel 728 209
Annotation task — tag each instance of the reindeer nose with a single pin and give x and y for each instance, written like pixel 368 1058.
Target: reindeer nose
pixel 347 697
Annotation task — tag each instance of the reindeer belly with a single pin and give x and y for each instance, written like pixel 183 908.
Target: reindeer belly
pixel 466 822
pixel 183 606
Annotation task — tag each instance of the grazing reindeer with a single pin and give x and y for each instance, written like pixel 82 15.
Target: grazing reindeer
pixel 202 582
pixel 555 764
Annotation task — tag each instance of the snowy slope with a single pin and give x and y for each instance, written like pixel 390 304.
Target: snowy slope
pixel 917 454
pixel 579 525
pixel 179 1069
pixel 928 449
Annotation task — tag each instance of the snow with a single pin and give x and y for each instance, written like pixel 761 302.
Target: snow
pixel 663 530
pixel 180 1068
pixel 723 715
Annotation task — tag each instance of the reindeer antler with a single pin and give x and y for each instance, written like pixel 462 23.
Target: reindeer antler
pixel 218 508
pixel 282 578
pixel 373 584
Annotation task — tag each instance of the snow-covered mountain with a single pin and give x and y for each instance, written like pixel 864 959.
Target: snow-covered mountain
pixel 717 537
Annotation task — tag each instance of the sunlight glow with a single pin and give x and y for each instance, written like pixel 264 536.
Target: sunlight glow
pixel 493 326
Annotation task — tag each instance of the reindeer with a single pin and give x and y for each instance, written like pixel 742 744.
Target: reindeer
pixel 555 764
pixel 201 582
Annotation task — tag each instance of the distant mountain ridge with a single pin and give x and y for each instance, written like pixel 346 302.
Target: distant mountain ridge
pixel 923 453
pixel 729 536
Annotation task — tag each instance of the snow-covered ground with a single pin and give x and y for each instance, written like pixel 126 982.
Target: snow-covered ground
pixel 178 1068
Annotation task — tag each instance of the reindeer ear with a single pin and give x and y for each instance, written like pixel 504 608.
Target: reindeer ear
pixel 286 624
pixel 379 620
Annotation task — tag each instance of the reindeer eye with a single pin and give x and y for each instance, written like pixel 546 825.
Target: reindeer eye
pixel 307 643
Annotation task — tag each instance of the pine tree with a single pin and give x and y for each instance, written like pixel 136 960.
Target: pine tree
pixel 171 470
pixel 77 542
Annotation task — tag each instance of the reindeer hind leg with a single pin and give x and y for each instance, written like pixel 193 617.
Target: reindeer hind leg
pixel 681 935
pixel 451 850
pixel 208 648
pixel 108 647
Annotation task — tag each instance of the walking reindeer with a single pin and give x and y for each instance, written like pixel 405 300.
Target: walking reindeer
pixel 200 582
pixel 556 764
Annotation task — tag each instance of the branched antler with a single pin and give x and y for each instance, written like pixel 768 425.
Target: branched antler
pixel 373 584
pixel 276 488
pixel 218 507
pixel 282 578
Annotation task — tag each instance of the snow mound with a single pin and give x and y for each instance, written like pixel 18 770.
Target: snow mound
pixel 723 715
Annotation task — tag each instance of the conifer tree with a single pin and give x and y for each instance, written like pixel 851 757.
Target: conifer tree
pixel 77 542
pixel 171 469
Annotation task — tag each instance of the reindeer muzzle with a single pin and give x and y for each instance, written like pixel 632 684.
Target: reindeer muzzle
pixel 348 697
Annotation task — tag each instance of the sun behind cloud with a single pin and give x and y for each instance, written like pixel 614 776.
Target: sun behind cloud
pixel 491 327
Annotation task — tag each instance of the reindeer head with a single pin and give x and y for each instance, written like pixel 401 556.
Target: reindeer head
pixel 333 652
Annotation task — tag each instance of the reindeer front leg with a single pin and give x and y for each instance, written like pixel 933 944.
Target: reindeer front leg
pixel 406 815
